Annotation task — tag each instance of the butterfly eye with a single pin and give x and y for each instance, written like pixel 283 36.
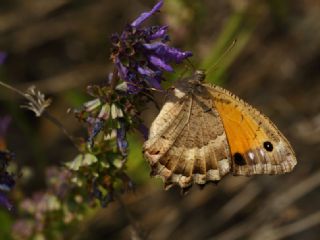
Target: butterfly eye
pixel 238 159
pixel 268 146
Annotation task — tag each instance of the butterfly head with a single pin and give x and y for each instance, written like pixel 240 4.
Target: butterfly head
pixel 200 75
pixel 196 81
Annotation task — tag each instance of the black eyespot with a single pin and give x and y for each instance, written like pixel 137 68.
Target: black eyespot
pixel 268 146
pixel 238 159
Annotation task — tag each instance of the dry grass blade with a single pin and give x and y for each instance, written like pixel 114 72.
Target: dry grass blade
pixel 273 205
pixel 268 232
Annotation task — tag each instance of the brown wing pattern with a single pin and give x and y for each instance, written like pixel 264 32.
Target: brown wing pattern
pixel 187 143
pixel 257 146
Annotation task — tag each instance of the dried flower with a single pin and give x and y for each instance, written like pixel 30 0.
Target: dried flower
pixel 141 55
pixel 37 101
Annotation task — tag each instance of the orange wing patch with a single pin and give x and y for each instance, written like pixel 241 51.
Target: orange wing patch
pixel 242 130
pixel 256 145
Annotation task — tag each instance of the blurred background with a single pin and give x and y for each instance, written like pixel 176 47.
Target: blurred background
pixel 61 46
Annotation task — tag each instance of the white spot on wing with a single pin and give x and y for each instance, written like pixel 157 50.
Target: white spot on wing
pixel 251 155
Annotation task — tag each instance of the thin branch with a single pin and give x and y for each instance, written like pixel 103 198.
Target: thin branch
pixel 12 89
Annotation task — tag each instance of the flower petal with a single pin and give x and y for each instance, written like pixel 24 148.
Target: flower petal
pixel 157 62
pixel 123 71
pixel 160 33
pixel 154 82
pixel 153 78
pixel 168 53
pixel 146 71
pixel 144 16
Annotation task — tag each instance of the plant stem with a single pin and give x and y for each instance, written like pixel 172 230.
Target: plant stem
pixel 12 88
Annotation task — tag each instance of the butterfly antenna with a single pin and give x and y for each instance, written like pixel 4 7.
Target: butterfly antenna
pixel 191 64
pixel 183 72
pixel 222 56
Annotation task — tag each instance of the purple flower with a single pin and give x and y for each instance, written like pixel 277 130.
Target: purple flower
pixel 167 53
pixel 97 126
pixel 122 142
pixel 160 63
pixel 144 16
pixel 141 54
pixel 160 32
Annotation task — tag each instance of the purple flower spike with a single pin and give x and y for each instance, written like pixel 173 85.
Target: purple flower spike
pixel 144 16
pixel 3 57
pixel 141 55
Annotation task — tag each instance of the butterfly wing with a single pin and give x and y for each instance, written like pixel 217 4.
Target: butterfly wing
pixel 256 145
pixel 187 143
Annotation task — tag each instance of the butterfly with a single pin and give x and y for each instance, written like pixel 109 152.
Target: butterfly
pixel 204 132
